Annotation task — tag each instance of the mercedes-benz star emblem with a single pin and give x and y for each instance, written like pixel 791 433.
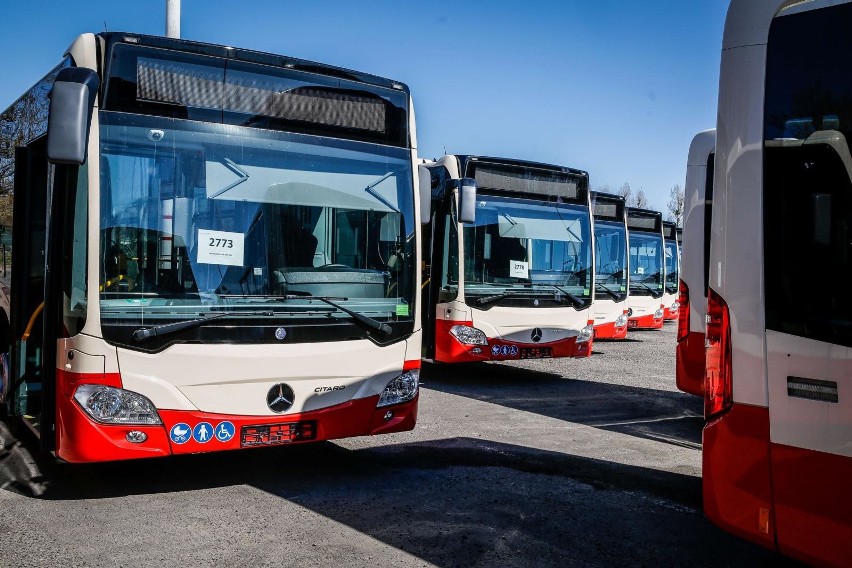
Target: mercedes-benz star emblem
pixel 280 398
pixel 536 335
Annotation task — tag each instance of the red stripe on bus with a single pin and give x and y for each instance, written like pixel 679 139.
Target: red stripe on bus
pixel 813 505
pixel 735 473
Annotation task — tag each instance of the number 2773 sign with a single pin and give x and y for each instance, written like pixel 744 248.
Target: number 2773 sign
pixel 220 247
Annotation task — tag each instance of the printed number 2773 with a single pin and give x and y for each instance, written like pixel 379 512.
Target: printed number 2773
pixel 221 243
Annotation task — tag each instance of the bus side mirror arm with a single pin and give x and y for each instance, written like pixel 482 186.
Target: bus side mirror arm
pixel 72 101
pixel 467 200
pixel 425 180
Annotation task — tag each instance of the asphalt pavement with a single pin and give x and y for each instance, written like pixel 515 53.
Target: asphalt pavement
pixel 593 462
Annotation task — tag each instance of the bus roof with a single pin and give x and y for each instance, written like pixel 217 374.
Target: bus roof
pixel 249 56
pixel 608 206
pixel 644 220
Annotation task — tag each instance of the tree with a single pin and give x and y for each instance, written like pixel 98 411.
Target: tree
pixel 624 191
pixel 675 205
pixel 640 200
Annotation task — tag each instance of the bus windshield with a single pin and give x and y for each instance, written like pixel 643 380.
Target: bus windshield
pixel 646 264
pixel 671 267
pixel 610 260
pixel 524 248
pixel 199 218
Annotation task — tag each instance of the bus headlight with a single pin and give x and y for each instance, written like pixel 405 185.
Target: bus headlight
pixel 658 314
pixel 675 307
pixel 469 335
pixel 621 321
pixel 110 405
pixel 586 334
pixel 401 389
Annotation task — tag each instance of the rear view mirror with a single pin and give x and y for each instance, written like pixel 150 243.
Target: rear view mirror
pixel 72 99
pixel 467 200
pixel 425 179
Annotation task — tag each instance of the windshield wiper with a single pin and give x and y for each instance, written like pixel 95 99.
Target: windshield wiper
pixel 578 301
pixel 615 295
pixel 648 288
pixel 497 297
pixel 146 333
pixel 366 321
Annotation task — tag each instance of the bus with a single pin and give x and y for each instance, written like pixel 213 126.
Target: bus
pixel 510 263
pixel 777 448
pixel 647 269
pixel 611 266
pixel 672 264
pixel 246 226
pixel 695 254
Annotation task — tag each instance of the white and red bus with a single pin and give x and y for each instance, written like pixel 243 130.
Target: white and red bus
pixel 695 254
pixel 611 266
pixel 778 386
pixel 647 269
pixel 511 266
pixel 213 249
pixel 672 264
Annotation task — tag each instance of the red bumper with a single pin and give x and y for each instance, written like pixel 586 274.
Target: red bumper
pixel 448 349
pixel 80 439
pixel 735 473
pixel 669 314
pixel 609 331
pixel 645 322
pixel 689 364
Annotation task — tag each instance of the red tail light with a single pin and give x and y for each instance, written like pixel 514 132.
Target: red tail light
pixel 683 314
pixel 718 385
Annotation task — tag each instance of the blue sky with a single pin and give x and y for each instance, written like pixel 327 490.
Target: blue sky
pixel 614 87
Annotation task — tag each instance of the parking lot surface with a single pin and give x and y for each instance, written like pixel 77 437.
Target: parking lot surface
pixel 592 462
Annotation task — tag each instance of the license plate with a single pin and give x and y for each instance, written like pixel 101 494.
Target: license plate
pixel 536 352
pixel 632 323
pixel 275 434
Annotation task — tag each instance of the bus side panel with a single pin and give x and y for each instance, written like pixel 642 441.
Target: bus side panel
pixel 813 505
pixel 737 489
pixel 689 366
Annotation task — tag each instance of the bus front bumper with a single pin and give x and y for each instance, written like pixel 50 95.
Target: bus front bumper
pixel 80 439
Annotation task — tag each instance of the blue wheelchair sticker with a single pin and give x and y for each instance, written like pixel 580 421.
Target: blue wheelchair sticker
pixel 224 431
pixel 180 433
pixel 202 433
pixel 513 350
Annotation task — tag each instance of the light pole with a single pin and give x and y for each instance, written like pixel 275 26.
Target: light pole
pixel 173 18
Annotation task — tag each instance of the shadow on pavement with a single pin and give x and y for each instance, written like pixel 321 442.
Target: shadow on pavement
pixel 666 416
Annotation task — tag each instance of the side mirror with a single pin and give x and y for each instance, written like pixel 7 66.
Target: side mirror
pixel 425 180
pixel 72 100
pixel 467 200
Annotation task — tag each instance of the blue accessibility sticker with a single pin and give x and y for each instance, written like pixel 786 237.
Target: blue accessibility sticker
pixel 495 350
pixel 224 431
pixel 180 433
pixel 513 350
pixel 202 433
pixel 504 351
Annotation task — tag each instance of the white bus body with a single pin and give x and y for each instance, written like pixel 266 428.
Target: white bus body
pixel 612 285
pixel 672 273
pixel 778 387
pixel 518 282
pixel 647 269
pixel 694 257
pixel 225 194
